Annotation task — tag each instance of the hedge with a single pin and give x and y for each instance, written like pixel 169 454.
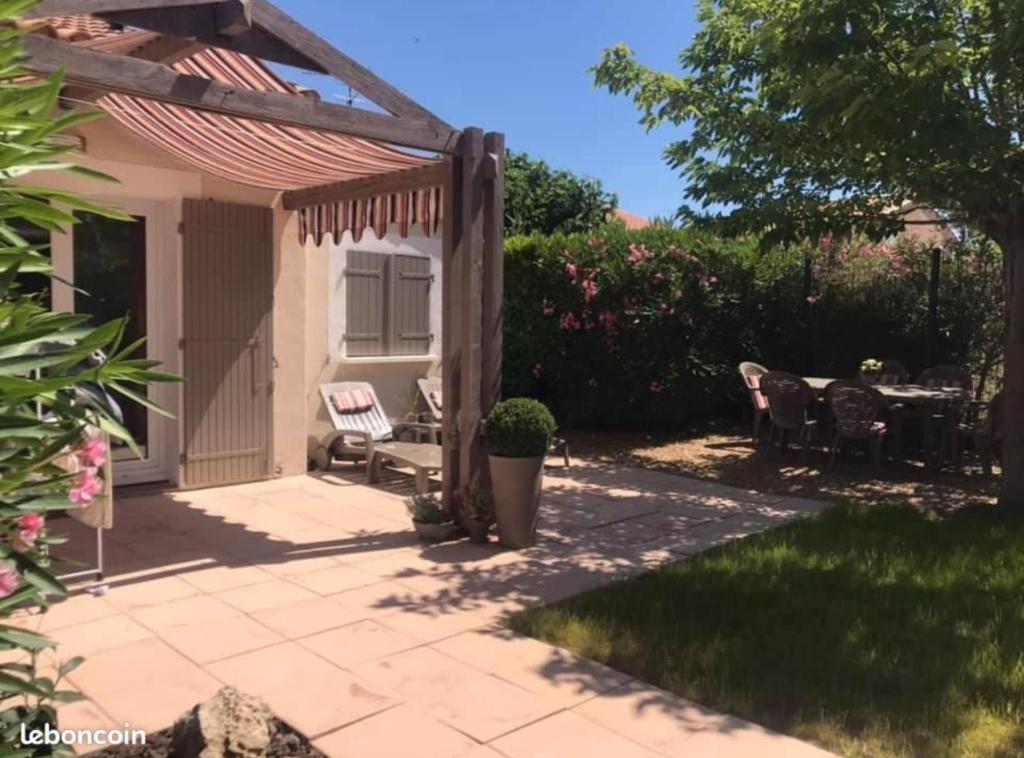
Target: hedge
pixel 645 329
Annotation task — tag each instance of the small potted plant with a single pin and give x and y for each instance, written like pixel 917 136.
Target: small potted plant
pixel 478 514
pixel 518 434
pixel 870 370
pixel 429 519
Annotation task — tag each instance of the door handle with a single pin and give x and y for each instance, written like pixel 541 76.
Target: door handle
pixel 253 346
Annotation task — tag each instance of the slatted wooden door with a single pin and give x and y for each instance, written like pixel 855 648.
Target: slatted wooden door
pixel 227 301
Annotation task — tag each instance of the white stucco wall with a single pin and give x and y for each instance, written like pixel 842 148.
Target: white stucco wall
pixel 149 176
pixel 393 378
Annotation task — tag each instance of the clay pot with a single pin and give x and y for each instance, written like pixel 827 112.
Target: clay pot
pixel 517 487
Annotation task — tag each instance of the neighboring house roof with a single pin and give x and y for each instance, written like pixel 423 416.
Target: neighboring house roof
pixel 631 220
pixel 925 226
pixel 253 152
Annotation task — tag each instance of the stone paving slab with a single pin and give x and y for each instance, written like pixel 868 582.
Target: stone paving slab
pixel 313 593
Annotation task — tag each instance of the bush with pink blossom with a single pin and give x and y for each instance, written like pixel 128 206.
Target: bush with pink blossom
pixel 52 452
pixel 645 329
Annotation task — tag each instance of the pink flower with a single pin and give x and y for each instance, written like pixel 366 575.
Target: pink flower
pixel 707 280
pixel 547 307
pixel 659 277
pixel 610 322
pixel 93 452
pixel 537 370
pixel 9 580
pixel 656 387
pixel 569 323
pixel 29 527
pixel 813 298
pixel 572 271
pixel 590 290
pixel 87 486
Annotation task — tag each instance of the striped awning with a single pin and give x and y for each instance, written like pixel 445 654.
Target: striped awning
pixel 256 153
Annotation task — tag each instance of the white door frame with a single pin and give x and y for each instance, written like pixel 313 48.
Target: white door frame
pixel 161 462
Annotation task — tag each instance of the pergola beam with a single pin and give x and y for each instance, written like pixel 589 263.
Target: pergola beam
pixel 405 180
pixel 93 7
pixel 131 76
pixel 253 27
pixel 334 62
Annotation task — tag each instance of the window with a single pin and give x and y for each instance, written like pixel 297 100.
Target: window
pixel 387 305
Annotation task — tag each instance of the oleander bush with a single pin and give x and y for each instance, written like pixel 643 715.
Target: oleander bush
pixel 56 375
pixel 645 329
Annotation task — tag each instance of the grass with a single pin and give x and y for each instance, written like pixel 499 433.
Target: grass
pixel 871 631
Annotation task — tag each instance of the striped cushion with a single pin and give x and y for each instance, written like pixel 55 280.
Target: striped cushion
pixel 354 401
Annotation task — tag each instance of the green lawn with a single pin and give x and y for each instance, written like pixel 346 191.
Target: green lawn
pixel 869 631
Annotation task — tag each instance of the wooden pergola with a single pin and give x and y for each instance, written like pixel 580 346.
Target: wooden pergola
pixel 471 172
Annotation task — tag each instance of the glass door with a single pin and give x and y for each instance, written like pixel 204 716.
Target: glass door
pixel 116 271
pixel 110 277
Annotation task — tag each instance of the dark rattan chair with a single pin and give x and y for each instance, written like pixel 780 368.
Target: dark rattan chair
pixel 857 412
pixel 941 423
pixel 789 398
pixel 752 373
pixel 982 426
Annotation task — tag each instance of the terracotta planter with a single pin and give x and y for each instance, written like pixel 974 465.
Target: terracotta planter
pixel 517 486
pixel 434 533
pixel 479 531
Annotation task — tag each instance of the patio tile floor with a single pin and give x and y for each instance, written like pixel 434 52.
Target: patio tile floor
pixel 313 593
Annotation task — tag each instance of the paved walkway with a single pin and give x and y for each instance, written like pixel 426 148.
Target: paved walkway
pixel 313 593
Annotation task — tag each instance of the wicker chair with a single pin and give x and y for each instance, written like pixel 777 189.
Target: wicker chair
pixel 940 427
pixel 982 426
pixel 752 373
pixel 947 377
pixel 789 398
pixel 857 410
pixel 893 372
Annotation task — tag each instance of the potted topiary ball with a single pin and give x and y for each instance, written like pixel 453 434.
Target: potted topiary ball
pixel 518 433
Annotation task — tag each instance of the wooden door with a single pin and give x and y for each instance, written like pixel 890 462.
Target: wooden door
pixel 227 303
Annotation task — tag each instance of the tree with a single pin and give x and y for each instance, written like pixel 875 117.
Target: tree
pixel 540 199
pixel 814 117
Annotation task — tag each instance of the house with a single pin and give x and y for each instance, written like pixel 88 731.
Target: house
pixel 631 221
pixel 268 255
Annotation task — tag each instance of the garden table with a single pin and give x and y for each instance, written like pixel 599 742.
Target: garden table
pixel 930 403
pixel 900 393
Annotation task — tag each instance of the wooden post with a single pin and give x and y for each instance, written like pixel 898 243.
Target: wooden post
pixel 471 253
pixel 933 306
pixel 472 305
pixel 493 275
pixel 451 309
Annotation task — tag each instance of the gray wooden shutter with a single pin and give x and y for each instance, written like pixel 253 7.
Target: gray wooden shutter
pixel 365 304
pixel 410 305
pixel 228 302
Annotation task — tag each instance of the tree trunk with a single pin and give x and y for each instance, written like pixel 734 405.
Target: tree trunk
pixel 1013 408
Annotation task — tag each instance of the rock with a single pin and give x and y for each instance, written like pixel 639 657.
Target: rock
pixel 229 725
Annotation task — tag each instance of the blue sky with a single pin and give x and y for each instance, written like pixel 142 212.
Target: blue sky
pixel 522 68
